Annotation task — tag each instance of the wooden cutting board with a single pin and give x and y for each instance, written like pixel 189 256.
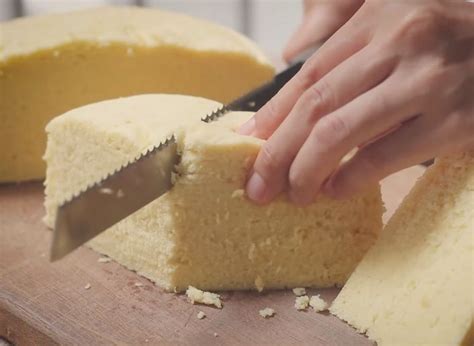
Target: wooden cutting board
pixel 44 303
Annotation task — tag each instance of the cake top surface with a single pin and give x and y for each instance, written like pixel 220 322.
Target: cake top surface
pixel 121 24
pixel 159 118
pixel 120 114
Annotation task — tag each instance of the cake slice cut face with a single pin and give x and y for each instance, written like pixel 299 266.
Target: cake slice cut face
pixel 415 286
pixel 204 232
pixel 52 64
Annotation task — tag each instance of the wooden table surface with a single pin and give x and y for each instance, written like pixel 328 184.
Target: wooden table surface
pixel 46 303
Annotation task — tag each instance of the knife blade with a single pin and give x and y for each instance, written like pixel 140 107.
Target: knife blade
pixel 117 196
pixel 142 180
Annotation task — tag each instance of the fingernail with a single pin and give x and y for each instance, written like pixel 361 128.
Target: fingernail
pixel 256 188
pixel 247 128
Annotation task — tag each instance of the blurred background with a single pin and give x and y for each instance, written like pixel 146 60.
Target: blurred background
pixel 268 22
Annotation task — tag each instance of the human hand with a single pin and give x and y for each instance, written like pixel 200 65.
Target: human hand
pixel 396 81
pixel 321 19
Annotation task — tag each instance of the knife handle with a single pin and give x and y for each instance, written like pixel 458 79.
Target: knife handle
pixel 255 99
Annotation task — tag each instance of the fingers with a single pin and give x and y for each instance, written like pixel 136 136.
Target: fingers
pixel 446 125
pixel 340 86
pixel 414 142
pixel 321 21
pixel 331 54
pixel 315 28
pixel 335 135
pixel 327 109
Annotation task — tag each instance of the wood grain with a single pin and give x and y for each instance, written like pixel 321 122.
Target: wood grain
pixel 46 303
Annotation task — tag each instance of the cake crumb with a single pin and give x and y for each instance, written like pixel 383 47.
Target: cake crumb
pixel 106 191
pixel 299 291
pixel 318 304
pixel 120 193
pixel 216 335
pixel 201 315
pixel 197 296
pixel 138 284
pixel 259 284
pixel 238 193
pixel 87 286
pixel 301 303
pixel 104 260
pixel 267 312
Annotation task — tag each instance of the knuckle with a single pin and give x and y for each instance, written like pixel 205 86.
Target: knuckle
pixel 420 23
pixel 382 58
pixel 320 99
pixel 267 118
pixel 331 129
pixel 437 74
pixel 423 17
pixel 268 160
pixel 309 73
pixel 272 108
pixel 434 76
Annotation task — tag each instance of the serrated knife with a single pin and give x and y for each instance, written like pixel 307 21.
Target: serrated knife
pixel 143 180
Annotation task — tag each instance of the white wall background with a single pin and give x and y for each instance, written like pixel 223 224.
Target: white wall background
pixel 268 22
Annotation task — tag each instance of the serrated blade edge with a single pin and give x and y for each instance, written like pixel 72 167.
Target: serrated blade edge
pixel 216 114
pixel 116 196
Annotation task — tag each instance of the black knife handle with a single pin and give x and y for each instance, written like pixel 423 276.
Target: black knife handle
pixel 255 99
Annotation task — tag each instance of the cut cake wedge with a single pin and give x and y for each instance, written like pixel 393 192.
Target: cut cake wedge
pixel 204 232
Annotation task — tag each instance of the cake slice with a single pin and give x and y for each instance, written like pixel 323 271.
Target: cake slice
pixel 53 63
pixel 415 286
pixel 204 232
